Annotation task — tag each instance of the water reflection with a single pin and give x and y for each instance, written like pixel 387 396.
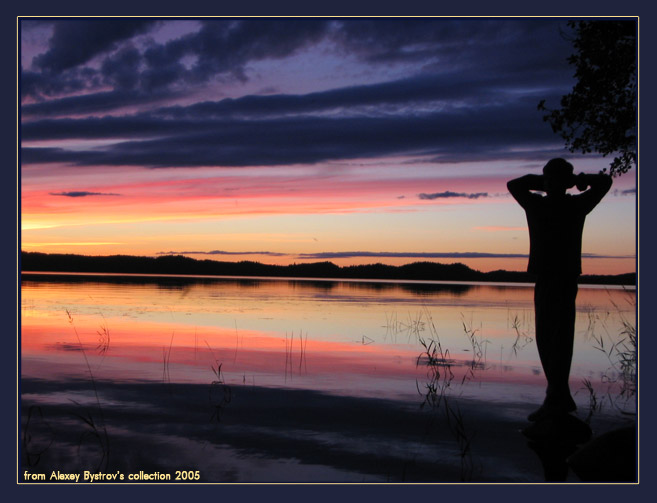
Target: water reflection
pixel 417 288
pixel 314 380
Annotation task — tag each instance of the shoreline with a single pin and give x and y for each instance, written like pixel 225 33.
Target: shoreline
pixel 184 267
pixel 310 279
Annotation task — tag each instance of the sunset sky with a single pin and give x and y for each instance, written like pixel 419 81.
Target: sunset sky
pixel 298 140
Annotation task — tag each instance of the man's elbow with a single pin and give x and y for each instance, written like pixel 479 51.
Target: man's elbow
pixel 512 185
pixel 604 182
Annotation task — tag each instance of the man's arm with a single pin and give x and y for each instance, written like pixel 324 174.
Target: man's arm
pixel 520 188
pixel 597 184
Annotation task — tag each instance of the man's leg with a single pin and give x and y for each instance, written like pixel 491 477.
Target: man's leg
pixel 543 320
pixel 562 341
pixel 554 305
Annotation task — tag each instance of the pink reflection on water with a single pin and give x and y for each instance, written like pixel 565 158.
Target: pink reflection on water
pixel 353 345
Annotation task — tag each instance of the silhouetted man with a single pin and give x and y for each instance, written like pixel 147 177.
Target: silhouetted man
pixel 556 222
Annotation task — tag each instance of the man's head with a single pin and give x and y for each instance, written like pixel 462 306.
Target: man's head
pixel 558 176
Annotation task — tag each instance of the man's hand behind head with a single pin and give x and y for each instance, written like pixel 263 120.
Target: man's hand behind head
pixel 581 182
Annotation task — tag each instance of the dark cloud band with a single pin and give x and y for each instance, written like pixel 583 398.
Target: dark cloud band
pixel 221 252
pixel 460 134
pixel 448 194
pixel 82 193
pixel 370 254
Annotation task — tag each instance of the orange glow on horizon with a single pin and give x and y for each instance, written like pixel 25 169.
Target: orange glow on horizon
pixel 199 210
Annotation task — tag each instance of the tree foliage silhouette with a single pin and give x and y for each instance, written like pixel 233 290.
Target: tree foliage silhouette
pixel 600 113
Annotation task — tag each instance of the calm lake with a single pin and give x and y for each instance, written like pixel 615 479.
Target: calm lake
pixel 263 380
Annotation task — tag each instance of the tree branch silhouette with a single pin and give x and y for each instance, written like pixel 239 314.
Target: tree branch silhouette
pixel 600 113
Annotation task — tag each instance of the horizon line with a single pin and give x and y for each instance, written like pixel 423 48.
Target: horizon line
pixel 523 271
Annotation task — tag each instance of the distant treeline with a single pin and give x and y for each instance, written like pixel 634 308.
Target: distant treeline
pixel 178 264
